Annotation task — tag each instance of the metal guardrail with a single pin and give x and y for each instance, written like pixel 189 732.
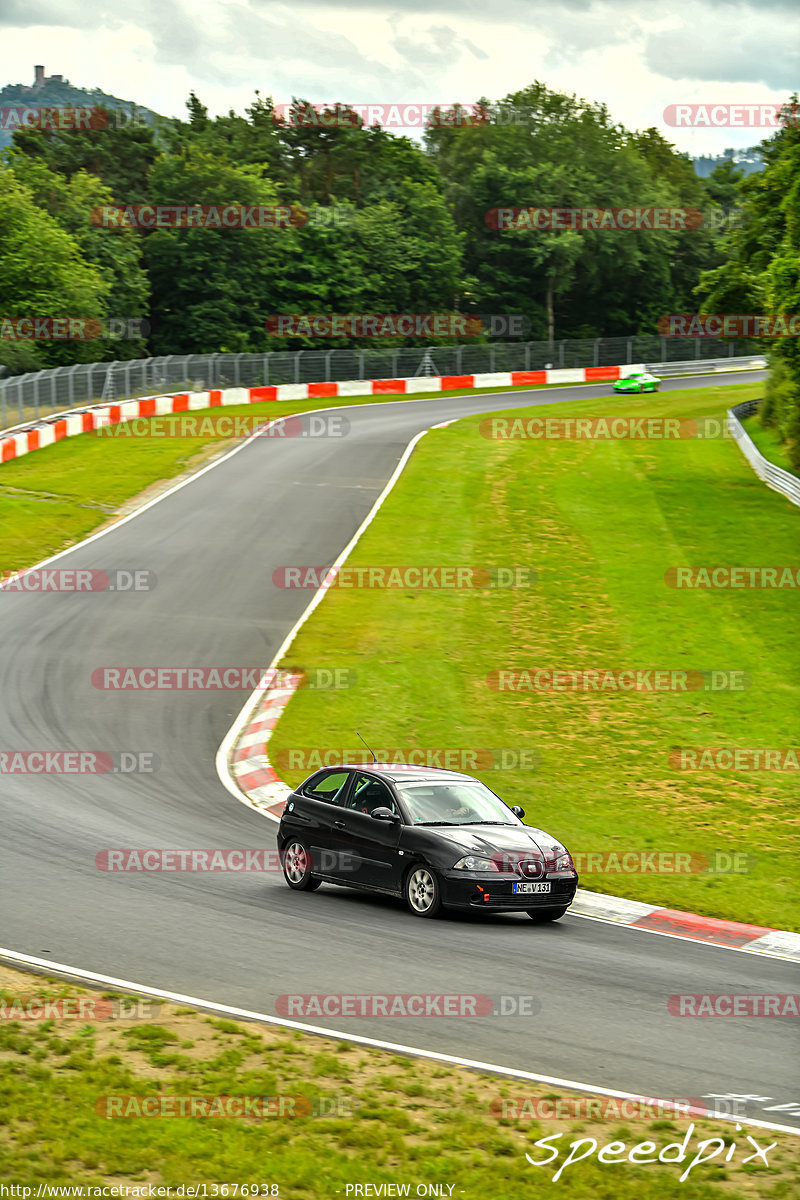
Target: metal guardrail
pixel 775 477
pixel 26 396
pixel 692 367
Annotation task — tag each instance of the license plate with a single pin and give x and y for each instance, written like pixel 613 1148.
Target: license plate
pixel 520 888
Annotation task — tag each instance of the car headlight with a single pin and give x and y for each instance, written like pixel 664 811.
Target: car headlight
pixel 473 863
pixel 562 864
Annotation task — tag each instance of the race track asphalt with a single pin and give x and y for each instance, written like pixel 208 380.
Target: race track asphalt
pixel 245 939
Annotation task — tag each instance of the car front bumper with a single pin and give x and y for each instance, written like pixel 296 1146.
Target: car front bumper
pixel 462 889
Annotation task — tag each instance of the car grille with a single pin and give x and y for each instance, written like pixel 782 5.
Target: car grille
pixel 531 868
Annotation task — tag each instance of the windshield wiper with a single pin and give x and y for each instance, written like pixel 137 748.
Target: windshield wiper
pixel 508 823
pixel 439 822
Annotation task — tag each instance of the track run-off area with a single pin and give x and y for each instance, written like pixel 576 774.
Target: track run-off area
pixel 244 939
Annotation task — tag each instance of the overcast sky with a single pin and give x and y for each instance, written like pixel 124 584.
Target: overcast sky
pixel 637 58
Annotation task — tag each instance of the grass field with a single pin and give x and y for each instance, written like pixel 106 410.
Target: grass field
pixel 602 522
pixel 768 442
pixel 392 1119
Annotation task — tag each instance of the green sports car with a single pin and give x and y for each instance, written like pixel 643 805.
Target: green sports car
pixel 640 381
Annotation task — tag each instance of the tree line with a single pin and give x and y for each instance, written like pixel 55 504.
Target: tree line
pixel 382 223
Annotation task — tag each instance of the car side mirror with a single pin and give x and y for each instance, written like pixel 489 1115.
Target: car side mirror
pixel 517 811
pixel 384 814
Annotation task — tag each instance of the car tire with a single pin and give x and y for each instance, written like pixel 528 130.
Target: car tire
pixel 423 892
pixel 296 863
pixel 542 915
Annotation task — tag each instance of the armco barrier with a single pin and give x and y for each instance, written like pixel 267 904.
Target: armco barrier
pixel 35 435
pixel 775 477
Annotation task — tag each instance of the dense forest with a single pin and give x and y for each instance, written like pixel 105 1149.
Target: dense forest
pixel 385 224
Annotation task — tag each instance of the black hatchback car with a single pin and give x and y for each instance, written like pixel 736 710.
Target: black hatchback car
pixel 440 839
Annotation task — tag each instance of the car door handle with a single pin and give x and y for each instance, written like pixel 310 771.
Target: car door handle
pixel 339 825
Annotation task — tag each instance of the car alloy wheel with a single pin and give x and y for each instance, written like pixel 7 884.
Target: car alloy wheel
pixel 423 894
pixel 296 863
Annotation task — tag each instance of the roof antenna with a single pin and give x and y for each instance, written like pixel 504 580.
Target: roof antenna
pixel 372 752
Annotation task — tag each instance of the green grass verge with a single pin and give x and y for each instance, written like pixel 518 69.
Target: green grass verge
pixel 397 1120
pixel 768 442
pixel 601 522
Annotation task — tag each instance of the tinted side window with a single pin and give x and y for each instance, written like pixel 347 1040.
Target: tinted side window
pixel 370 793
pixel 328 787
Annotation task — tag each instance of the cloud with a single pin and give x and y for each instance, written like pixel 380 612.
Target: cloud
pixel 723 52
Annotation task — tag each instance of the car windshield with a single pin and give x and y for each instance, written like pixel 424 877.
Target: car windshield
pixel 468 803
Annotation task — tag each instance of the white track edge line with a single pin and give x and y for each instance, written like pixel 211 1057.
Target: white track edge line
pixel 223 763
pixel 375 1043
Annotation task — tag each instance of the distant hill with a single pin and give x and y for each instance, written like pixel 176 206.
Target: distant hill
pixel 748 161
pixel 53 91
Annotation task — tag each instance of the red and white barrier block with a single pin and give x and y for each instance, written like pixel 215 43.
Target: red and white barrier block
pixel 35 435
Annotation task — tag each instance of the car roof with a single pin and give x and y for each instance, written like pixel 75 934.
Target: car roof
pixel 406 773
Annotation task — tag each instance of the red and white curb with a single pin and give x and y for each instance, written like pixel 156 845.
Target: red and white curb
pixel 35 435
pixel 249 764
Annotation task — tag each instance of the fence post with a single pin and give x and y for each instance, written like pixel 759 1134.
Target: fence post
pixel 266 369
pixel 597 352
